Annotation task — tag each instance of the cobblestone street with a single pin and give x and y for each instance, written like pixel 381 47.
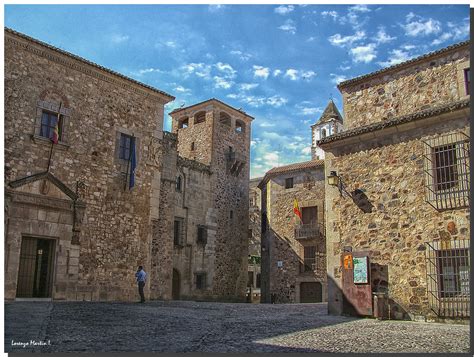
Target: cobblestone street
pixel 184 326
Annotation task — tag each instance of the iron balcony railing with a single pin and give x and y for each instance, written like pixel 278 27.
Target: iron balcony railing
pixel 309 231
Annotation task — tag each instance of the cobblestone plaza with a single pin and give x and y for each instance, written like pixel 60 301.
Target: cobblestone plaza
pixel 184 326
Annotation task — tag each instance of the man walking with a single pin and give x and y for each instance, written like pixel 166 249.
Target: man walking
pixel 141 278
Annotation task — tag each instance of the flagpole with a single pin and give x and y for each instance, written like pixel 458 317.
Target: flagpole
pixel 52 141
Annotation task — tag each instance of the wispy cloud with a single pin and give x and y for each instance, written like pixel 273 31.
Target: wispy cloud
pixel 248 86
pixel 364 54
pixel 221 82
pixel 260 71
pixel 283 10
pixel 288 26
pixel 183 90
pixel 396 56
pixel 275 101
pixel 342 41
pixel 242 55
pixel 294 74
pixel 383 37
pixel 418 26
pixel 227 69
pixel 199 69
pixel 359 8
pixel 332 14
pixel 456 31
pixel 337 78
pixel 276 72
pixel 143 71
pixel 116 38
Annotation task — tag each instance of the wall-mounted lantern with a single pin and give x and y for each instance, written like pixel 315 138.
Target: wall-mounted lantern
pixel 333 179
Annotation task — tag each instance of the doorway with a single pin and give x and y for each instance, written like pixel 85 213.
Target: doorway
pixel 35 273
pixel 175 289
pixel 311 292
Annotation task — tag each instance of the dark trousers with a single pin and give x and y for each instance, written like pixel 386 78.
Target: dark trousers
pixel 141 285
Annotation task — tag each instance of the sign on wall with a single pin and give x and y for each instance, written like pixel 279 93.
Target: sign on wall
pixel 361 271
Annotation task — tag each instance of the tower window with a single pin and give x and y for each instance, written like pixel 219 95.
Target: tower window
pixel 183 123
pixel 323 133
pixel 193 146
pixel 224 118
pixel 239 126
pixel 200 117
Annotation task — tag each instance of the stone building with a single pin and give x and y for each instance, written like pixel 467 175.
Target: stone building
pixel 399 206
pixel 330 122
pixel 293 250
pixel 78 223
pixel 255 214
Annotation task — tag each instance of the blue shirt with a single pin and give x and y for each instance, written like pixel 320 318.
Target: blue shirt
pixel 140 275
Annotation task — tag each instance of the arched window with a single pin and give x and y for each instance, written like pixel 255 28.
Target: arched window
pixel 323 133
pixel 224 118
pixel 183 123
pixel 179 182
pixel 200 117
pixel 239 126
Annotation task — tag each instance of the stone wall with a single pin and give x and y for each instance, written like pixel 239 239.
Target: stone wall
pixel 96 105
pixel 280 242
pixel 255 221
pixel 429 82
pixel 383 212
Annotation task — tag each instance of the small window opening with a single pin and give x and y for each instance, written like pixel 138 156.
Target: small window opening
pixel 183 123
pixel 467 81
pixel 199 117
pixel 193 146
pixel 239 126
pixel 323 133
pixel 200 281
pixel 224 118
pixel 179 183
pixel 289 182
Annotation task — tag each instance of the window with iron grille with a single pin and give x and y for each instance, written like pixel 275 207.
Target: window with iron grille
pixel 178 232
pixel 48 123
pixel 448 271
pixel 309 260
pixel 201 235
pixel 200 281
pixel 447 170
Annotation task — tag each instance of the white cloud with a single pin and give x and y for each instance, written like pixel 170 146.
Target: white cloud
pixel 306 150
pixel 119 38
pixel 288 26
pixel 260 71
pixel 332 14
pixel 253 143
pixel 227 69
pixel 221 82
pixel 396 56
pixel 340 41
pixel 443 38
pixel 307 75
pixel 364 53
pixel 310 111
pixel 214 8
pixel 242 55
pixel 418 26
pixel 272 158
pixel 248 86
pixel 359 8
pixel 170 44
pixel 199 69
pixel 456 32
pixel 337 78
pixel 276 72
pixel 344 68
pixel 283 10
pixel 311 39
pixel 266 124
pixel 181 89
pixel 292 74
pixel 383 37
pixel 232 96
pixel 148 70
pixel 276 101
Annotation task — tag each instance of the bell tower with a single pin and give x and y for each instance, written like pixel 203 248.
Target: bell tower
pixel 330 122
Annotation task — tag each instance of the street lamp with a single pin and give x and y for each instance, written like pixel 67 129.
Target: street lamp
pixel 333 179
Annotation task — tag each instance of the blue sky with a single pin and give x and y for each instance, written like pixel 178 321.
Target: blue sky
pixel 279 63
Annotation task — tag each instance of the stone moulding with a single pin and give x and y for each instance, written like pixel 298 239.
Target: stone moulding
pixel 424 114
pixel 237 111
pixel 82 65
pixel 402 65
pixel 182 161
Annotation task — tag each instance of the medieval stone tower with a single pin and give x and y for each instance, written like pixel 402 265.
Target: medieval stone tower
pixel 216 136
pixel 330 122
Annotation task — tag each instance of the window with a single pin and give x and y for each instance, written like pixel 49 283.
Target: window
pixel 239 126
pixel 125 146
pixel 178 183
pixel 309 259
pixel 323 133
pixel 178 232
pixel 231 215
pixel 445 167
pixel 224 118
pixel 200 281
pixel 201 235
pixel 199 117
pixel 289 182
pixel 250 279
pixel 467 80
pixel 48 123
pixel 453 267
pixel 193 146
pixel 309 214
pixel 183 123
pixel 257 284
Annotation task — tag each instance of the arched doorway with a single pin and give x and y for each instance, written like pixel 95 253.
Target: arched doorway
pixel 176 285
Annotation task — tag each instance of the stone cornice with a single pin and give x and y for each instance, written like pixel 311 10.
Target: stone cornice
pixel 403 65
pixel 217 101
pixel 82 65
pixel 383 125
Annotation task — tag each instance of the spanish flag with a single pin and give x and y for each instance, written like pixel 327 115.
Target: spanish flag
pixel 296 209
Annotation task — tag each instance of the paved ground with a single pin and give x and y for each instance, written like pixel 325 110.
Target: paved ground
pixel 181 326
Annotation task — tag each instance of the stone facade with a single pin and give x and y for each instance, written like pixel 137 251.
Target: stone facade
pixel 255 225
pixel 216 136
pixel 384 207
pixel 94 259
pixel 74 229
pixel 293 254
pixel 406 88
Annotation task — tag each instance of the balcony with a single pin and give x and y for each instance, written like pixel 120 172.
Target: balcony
pixel 308 231
pixel 235 162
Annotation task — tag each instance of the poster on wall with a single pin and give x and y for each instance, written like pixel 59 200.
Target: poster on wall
pixel 361 271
